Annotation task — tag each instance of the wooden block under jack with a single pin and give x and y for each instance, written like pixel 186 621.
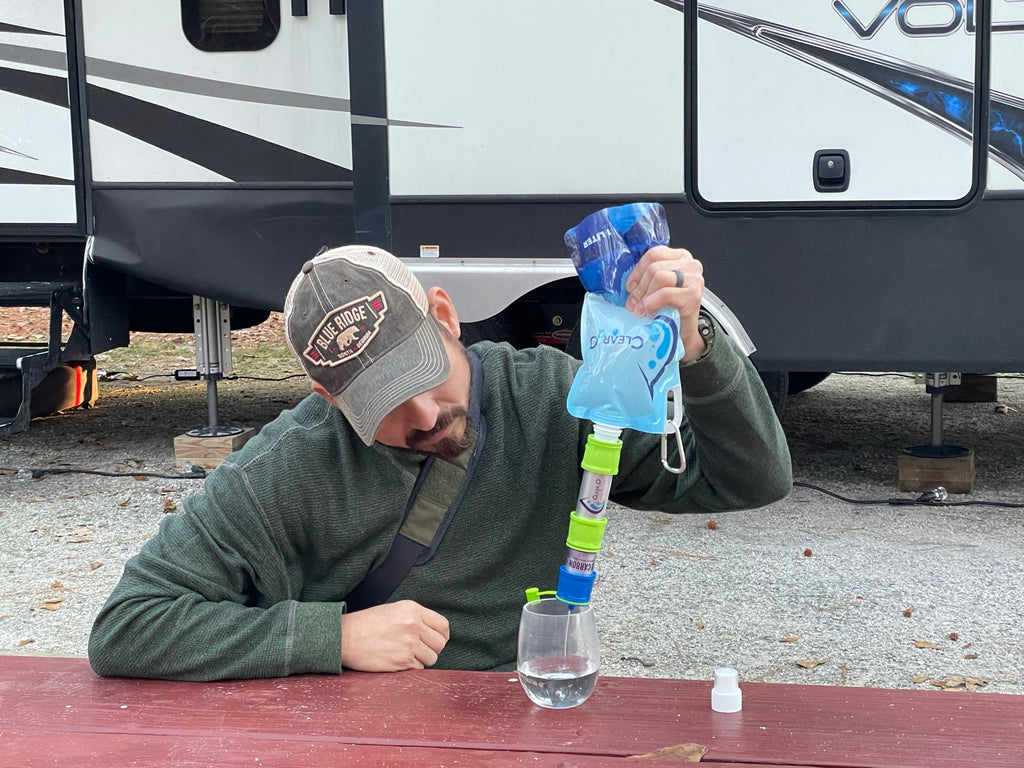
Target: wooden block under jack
pixel 923 473
pixel 207 452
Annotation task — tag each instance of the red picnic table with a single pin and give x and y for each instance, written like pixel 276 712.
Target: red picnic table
pixel 56 711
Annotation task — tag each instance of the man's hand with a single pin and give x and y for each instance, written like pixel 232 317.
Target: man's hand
pixel 392 637
pixel 669 277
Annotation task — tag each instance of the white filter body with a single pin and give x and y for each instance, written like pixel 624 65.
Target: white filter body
pixel 580 562
pixel 594 492
pixel 726 695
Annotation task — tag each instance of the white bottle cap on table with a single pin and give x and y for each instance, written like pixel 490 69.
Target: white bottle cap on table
pixel 726 695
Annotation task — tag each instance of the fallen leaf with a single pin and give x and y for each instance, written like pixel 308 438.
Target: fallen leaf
pixel 970 655
pixel 52 605
pixel 955 682
pixel 924 644
pixel 921 679
pixel 79 531
pixel 700 625
pixel 908 611
pixel 811 664
pixel 712 525
pixel 79 541
pixel 679 753
pixel 807 553
pixel 57 585
pixel 26 642
pixel 141 478
pixel 95 564
pixel 125 503
pixel 954 636
pixel 169 505
pixel 790 639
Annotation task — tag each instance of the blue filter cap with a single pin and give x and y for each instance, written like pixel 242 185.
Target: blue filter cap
pixel 574 588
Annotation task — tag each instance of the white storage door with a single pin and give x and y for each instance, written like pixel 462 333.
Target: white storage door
pixel 891 84
pixel 487 97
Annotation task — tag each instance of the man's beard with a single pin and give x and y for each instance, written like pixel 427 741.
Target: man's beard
pixel 449 447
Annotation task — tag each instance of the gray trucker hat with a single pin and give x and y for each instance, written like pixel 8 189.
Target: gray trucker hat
pixel 358 321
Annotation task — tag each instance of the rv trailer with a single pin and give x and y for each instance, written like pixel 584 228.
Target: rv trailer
pixel 850 172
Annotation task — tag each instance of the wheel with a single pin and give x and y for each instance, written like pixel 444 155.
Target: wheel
pixel 776 383
pixel 803 380
pixel 574 346
pixel 501 327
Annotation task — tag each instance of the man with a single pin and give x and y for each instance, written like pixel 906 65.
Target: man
pixel 255 579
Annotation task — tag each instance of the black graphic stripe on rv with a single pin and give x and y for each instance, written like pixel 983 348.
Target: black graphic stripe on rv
pixel 231 153
pixel 12 176
pixel 35 85
pixel 26 30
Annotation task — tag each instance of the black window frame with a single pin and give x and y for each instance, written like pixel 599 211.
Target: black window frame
pixel 220 42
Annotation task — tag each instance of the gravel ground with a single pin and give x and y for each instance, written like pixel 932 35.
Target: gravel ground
pixel 862 595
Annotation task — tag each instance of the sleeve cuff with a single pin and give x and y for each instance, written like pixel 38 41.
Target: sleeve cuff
pixel 315 638
pixel 713 372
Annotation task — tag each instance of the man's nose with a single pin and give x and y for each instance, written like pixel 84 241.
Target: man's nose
pixel 421 412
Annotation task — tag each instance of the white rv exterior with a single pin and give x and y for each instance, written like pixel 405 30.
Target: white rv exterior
pixel 211 146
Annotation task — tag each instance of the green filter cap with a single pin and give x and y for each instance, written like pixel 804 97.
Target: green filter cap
pixel 585 533
pixel 601 457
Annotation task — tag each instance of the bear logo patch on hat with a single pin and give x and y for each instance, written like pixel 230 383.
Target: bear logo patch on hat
pixel 346 331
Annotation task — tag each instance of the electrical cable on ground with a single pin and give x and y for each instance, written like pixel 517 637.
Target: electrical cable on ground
pixel 109 376
pixel 28 473
pixel 933 498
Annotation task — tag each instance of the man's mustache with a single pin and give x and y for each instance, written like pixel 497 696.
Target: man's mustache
pixel 444 420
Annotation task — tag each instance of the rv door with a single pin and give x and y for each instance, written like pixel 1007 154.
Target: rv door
pixel 38 190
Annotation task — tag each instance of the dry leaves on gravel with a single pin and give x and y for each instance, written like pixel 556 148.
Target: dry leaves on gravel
pixel 953 682
pixel 811 664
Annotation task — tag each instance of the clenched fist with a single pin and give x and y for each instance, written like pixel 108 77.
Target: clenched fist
pixel 392 637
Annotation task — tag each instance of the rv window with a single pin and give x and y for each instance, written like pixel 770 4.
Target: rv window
pixel 230 25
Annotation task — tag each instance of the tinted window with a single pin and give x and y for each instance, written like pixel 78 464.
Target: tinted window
pixel 230 25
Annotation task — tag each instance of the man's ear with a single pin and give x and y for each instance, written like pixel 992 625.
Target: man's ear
pixel 443 308
pixel 317 387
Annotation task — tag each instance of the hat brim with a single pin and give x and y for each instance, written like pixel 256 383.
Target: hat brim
pixel 410 368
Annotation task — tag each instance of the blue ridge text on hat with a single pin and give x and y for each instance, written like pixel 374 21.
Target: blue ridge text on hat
pixel 345 332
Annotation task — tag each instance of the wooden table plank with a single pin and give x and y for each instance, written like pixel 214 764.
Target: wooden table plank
pixel 803 725
pixel 36 749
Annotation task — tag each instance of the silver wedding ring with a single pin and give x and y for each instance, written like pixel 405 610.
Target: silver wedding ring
pixel 679 278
